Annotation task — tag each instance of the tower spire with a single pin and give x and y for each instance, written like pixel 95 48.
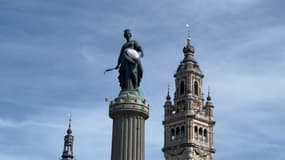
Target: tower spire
pixel 168 95
pixel 68 143
pixel 209 97
pixel 69 124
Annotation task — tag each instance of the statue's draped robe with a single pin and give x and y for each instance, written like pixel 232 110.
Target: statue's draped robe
pixel 130 73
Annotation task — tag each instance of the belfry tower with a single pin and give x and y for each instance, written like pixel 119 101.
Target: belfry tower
pixel 68 144
pixel 188 121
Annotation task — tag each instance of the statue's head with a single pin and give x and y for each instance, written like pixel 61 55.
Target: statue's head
pixel 127 34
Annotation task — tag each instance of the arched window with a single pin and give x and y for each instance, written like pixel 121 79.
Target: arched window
pixel 196 132
pixel 200 133
pixel 172 137
pixel 182 87
pixel 205 135
pixel 182 130
pixel 177 131
pixel 196 88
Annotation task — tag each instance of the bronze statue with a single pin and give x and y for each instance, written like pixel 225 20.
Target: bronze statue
pixel 129 63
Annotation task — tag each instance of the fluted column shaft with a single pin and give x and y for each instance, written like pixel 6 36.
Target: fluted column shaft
pixel 129 115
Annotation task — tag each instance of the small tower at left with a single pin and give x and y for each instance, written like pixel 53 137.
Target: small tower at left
pixel 68 143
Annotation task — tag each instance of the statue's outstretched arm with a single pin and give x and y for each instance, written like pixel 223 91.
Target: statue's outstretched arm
pixel 120 58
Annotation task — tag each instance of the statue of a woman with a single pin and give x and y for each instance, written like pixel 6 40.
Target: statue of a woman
pixel 129 64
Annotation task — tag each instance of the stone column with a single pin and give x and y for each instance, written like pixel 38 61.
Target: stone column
pixel 129 113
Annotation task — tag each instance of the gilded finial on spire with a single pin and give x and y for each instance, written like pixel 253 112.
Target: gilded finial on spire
pixel 188 48
pixel 188 31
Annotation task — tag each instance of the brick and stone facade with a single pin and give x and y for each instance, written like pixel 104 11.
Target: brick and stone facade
pixel 188 120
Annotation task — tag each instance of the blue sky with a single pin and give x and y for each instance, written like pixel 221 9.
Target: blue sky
pixel 53 54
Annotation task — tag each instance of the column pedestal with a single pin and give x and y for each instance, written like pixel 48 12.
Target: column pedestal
pixel 129 113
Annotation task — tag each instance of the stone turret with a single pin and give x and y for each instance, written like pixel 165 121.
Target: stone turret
pixel 68 144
